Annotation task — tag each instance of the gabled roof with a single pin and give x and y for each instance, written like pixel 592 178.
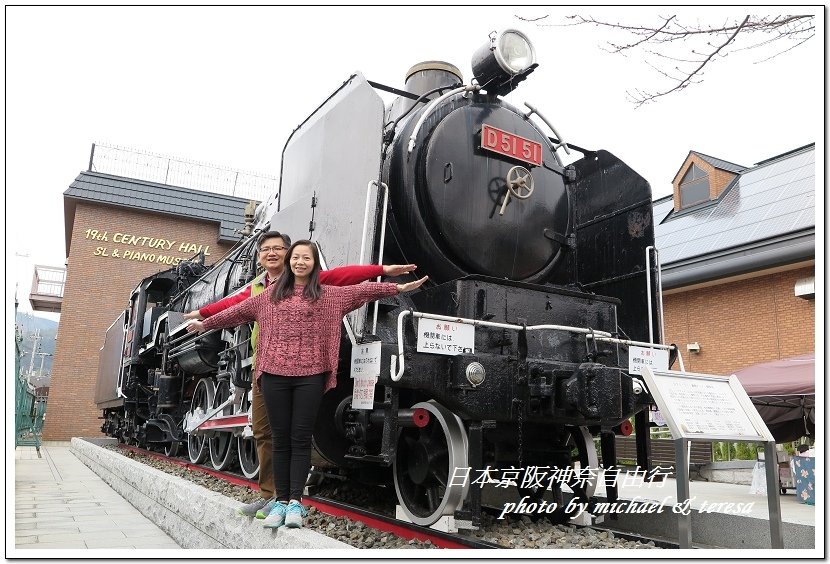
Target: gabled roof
pixel 715 162
pixel 107 189
pixel 720 163
pixel 764 218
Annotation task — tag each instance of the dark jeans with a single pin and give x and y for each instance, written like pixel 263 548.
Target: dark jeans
pixel 292 403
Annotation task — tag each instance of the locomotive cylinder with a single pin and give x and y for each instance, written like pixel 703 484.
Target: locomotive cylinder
pixel 168 387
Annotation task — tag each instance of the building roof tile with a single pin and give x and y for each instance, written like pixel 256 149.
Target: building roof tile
pixel 764 205
pixel 227 211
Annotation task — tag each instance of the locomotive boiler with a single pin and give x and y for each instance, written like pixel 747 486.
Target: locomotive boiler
pixel 516 352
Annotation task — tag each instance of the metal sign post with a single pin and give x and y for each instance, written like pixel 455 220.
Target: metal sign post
pixel 681 472
pixel 711 408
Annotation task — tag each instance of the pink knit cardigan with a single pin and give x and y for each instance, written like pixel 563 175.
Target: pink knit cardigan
pixel 298 337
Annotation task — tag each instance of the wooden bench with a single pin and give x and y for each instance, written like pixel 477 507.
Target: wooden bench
pixel 663 452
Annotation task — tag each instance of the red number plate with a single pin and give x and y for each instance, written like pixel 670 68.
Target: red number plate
pixel 511 145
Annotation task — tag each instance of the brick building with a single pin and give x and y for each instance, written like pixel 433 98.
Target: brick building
pixel 737 249
pixel 118 231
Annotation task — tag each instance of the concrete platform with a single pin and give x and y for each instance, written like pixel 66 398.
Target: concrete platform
pixel 79 495
pixel 59 503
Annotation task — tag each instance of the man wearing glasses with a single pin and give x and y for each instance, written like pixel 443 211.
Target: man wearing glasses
pixel 271 255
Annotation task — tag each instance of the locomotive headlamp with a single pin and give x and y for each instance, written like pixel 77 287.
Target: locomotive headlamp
pixel 516 51
pixel 504 61
pixel 475 373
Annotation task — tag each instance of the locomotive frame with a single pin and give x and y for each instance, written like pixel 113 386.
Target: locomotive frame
pixel 553 312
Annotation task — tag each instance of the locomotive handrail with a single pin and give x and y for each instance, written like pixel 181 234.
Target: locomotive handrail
pixel 562 142
pixel 397 361
pixel 188 348
pixel 432 106
pixel 396 375
pixel 382 235
pixel 195 336
pixel 659 293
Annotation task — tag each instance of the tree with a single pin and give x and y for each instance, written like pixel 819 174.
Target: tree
pixel 693 47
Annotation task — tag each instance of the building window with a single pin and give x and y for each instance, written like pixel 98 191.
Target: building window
pixel 694 187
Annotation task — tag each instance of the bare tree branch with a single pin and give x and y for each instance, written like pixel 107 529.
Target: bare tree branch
pixel 688 79
pixel 704 45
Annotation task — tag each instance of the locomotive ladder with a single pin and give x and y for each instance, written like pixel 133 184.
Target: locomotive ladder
pixel 659 280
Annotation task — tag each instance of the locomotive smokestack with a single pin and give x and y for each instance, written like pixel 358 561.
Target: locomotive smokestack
pixel 422 78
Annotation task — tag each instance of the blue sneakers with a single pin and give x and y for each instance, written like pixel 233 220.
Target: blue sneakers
pixel 276 517
pixel 294 514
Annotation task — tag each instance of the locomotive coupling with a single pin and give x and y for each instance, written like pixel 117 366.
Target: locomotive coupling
pixel 597 392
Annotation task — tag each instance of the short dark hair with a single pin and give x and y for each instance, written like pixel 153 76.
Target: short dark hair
pixel 274 235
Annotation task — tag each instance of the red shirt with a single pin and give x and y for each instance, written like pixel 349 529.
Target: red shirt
pixel 298 337
pixel 340 276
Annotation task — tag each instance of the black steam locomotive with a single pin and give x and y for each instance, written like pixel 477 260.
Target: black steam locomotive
pixel 514 355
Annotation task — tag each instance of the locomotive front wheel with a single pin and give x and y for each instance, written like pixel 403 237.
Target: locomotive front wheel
pixel 585 461
pixel 425 462
pixel 200 404
pixel 222 445
pixel 580 478
pixel 171 449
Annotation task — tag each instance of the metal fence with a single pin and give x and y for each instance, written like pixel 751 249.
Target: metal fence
pixel 141 165
pixel 29 408
pixel 48 281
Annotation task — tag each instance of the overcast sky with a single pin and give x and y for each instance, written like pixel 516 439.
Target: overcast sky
pixel 228 85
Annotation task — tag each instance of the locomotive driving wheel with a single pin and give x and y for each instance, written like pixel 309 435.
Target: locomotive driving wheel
pixel 222 445
pixel 200 404
pixel 246 446
pixel 425 461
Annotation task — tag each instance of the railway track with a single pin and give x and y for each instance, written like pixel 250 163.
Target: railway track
pixel 381 522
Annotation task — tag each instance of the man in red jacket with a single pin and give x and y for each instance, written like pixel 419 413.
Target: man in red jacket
pixel 271 251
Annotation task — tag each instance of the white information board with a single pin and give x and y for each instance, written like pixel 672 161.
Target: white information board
pixel 700 406
pixel 366 359
pixel 445 337
pixel 365 371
